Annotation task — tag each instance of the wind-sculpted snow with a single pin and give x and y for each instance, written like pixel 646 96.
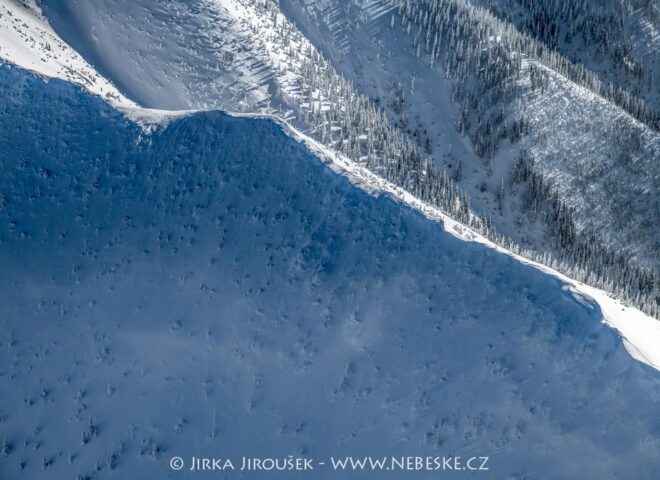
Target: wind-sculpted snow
pixel 213 289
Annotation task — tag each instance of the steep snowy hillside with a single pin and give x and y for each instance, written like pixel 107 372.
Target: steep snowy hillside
pixel 27 40
pixel 596 165
pixel 216 54
pixel 617 39
pixel 457 90
pixel 213 289
pixel 365 43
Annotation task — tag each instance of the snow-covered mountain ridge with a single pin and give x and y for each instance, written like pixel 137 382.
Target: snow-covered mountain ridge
pixel 218 286
pixel 189 292
pixel 263 56
pixel 27 40
pixel 596 177
pixel 640 331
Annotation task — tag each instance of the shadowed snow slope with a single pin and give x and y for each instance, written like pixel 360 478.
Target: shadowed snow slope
pixel 212 289
pixel 230 55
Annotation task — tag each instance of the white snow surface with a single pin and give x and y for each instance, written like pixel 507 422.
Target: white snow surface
pixel 230 55
pixel 25 32
pixel 640 332
pixel 209 261
pixel 212 289
pixel 598 159
pixel 27 40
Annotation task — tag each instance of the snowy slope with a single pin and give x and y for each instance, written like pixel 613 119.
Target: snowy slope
pixel 359 40
pixel 640 332
pixel 234 56
pixel 617 39
pixel 604 164
pixel 189 292
pixel 600 161
pixel 217 55
pixel 27 40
